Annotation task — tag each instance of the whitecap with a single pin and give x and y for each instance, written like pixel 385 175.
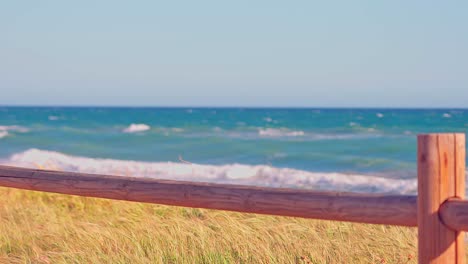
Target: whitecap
pixel 3 134
pixel 279 132
pixel 345 136
pixel 133 128
pixel 379 115
pixel 14 129
pixel 447 115
pixel 53 118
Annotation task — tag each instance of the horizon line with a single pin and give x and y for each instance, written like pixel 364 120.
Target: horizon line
pixel 236 107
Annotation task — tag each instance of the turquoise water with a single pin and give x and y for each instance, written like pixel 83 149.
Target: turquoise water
pixel 369 142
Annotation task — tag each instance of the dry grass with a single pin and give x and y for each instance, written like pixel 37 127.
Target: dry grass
pixel 50 228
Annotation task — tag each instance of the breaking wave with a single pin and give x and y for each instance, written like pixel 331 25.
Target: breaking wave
pixel 279 132
pixel 4 130
pixel 3 134
pixel 258 175
pixel 14 128
pixel 133 128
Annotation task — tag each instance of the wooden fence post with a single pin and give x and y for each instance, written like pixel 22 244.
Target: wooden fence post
pixel 441 175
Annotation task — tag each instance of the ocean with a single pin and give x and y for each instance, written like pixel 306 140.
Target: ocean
pixel 360 150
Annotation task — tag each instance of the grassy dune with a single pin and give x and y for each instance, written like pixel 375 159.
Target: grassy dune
pixel 50 228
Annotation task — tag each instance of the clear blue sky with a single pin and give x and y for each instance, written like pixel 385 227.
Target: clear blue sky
pixel 234 53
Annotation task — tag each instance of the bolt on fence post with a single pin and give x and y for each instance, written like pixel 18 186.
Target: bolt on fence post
pixel 441 175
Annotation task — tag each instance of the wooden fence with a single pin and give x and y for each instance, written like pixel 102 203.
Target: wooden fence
pixel 439 211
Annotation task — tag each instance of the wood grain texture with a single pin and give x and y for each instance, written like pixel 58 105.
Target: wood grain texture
pixel 440 175
pixel 364 208
pixel 460 187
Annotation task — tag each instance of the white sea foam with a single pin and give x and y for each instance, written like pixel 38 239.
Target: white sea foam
pixel 14 129
pixel 379 115
pixel 53 118
pixel 133 128
pixel 259 175
pixel 279 132
pixel 447 115
pixel 4 130
pixel 371 133
pixel 3 134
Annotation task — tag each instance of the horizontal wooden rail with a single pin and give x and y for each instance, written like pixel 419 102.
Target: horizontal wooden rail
pixel 454 214
pixel 353 207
